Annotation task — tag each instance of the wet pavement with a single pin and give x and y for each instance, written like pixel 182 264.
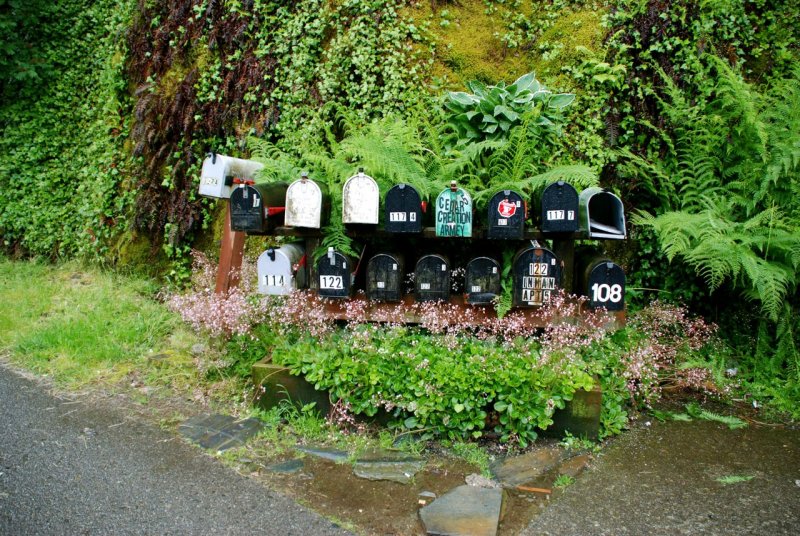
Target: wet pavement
pixel 685 478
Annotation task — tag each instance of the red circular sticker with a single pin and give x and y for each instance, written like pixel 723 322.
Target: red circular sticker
pixel 506 208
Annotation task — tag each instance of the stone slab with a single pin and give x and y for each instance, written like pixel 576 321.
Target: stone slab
pixel 580 416
pixel 219 432
pixel 325 453
pixel 388 465
pixel 287 467
pixel 276 384
pixel 464 511
pixel 519 470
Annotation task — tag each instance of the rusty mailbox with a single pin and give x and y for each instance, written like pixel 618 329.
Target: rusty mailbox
pixel 385 273
pixel 432 278
pixel 307 203
pixel 482 281
pixel 361 200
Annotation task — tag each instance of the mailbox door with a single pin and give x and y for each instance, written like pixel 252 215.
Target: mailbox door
pixel 454 213
pixel 559 208
pixel 403 208
pixel 360 200
pixel 506 219
pixel 482 280
pixel 334 275
pixel 601 214
pixel 385 278
pixel 282 270
pixel 247 209
pixel 605 285
pixel 432 279
pixel 304 204
pixel 537 274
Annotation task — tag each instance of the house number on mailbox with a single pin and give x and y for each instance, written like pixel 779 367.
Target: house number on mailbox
pixel 330 282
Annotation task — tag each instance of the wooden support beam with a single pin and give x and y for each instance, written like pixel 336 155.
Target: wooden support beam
pixel 230 256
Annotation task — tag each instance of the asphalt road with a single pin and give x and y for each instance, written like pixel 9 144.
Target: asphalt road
pixel 70 467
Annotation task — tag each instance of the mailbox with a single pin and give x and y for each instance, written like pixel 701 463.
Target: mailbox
pixel 454 212
pixel 335 275
pixel 432 279
pixel 218 172
pixel 282 270
pixel 361 200
pixel 403 206
pixel 256 208
pixel 307 203
pixel 601 214
pixel 559 208
pixel 603 281
pixel 385 273
pixel 536 275
pixel 507 213
pixel 482 281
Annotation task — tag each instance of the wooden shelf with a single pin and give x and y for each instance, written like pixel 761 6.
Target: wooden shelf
pixel 427 232
pixel 454 312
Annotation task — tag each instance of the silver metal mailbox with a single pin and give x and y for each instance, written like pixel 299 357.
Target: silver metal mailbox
pixel 219 170
pixel 306 204
pixel 361 200
pixel 282 270
pixel 601 214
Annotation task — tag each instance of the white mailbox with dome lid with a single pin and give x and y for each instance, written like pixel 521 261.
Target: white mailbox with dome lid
pixel 219 170
pixel 361 200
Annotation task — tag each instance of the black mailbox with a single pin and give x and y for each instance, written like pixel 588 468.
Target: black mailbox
pixel 385 277
pixel 482 283
pixel 335 275
pixel 507 213
pixel 256 208
pixel 404 209
pixel 601 214
pixel 603 281
pixel 537 274
pixel 559 208
pixel 432 279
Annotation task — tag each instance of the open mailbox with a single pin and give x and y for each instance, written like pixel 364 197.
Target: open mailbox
pixel 482 281
pixel 361 200
pixel 432 278
pixel 385 273
pixel 219 170
pixel 601 214
pixel 282 270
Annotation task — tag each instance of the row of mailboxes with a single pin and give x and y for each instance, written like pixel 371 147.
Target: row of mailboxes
pixel 256 208
pixel 537 274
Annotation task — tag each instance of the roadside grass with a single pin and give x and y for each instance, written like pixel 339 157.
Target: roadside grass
pixel 81 325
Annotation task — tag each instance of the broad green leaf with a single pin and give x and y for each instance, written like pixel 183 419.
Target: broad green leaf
pixel 472 113
pixel 491 129
pixel 561 100
pixel 524 82
pixel 489 118
pixel 458 408
pixel 462 98
pixel 510 114
pixel 500 406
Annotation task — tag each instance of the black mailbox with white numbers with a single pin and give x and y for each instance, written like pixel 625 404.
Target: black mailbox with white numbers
pixel 603 282
pixel 432 278
pixel 335 275
pixel 601 214
pixel 559 208
pixel 537 275
pixel 257 208
pixel 403 207
pixel 385 273
pixel 482 281
pixel 507 213
pixel 282 270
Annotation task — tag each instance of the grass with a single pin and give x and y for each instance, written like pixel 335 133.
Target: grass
pixel 734 479
pixel 82 325
pixel 563 481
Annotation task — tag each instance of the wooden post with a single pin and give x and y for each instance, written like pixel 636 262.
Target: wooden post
pixel 230 256
pixel 565 250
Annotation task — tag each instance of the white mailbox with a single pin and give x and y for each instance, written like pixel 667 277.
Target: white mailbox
pixel 282 270
pixel 216 177
pixel 361 200
pixel 307 204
